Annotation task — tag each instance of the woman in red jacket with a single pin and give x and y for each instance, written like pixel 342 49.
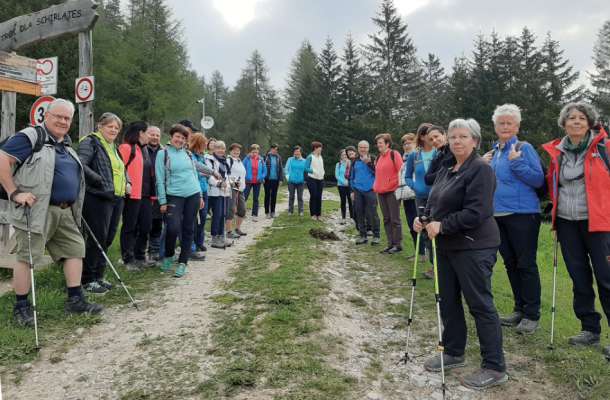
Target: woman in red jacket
pixel 387 168
pixel 579 184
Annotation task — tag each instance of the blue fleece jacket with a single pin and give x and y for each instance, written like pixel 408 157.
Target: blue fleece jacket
pixel 340 169
pixel 182 180
pixel 203 180
pixel 262 169
pixel 517 180
pixel 415 173
pixel 295 170
pixel 362 177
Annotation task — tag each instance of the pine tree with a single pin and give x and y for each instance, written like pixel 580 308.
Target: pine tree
pixel 352 84
pixel 304 65
pixel 600 79
pixel 457 92
pixel 434 103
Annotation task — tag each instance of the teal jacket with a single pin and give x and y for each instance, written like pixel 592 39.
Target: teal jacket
pixel 176 174
pixel 295 170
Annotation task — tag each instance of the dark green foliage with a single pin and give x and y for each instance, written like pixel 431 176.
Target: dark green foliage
pixel 600 79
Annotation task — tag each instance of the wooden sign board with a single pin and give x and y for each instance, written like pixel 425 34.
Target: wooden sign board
pixel 16 67
pixel 11 85
pixel 69 17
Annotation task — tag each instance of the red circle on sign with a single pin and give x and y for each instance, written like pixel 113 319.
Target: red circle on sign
pixel 46 67
pixel 80 82
pixel 40 102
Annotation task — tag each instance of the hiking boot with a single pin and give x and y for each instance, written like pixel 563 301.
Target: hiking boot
pixel 429 274
pixel 484 378
pixel 133 266
pixel 240 232
pixel 584 338
pixel 361 240
pixel 180 270
pixel 607 352
pixel 369 233
pixel 95 288
pixel 202 248
pixel 394 250
pixel 387 249
pixel 104 283
pixel 198 256
pixel 233 235
pixel 268 216
pixel 23 313
pixel 79 305
pixel 167 264
pixel 433 364
pixel 512 320
pixel 218 242
pixel 145 263
pixel 527 326
pixel 375 241
pixel 272 215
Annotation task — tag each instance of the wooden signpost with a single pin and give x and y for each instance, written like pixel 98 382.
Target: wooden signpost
pixel 73 16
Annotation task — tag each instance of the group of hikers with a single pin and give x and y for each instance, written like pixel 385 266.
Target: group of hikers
pixel 460 207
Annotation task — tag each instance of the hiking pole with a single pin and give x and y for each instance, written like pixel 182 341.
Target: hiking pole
pixel 27 212
pixel 405 358
pixel 555 250
pixel 437 297
pixel 99 246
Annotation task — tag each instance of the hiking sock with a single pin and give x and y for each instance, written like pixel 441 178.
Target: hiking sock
pixel 75 291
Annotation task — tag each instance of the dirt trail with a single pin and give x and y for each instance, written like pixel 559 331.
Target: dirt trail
pixel 159 350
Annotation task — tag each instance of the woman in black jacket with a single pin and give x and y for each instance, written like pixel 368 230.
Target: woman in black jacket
pixel 106 186
pixel 460 208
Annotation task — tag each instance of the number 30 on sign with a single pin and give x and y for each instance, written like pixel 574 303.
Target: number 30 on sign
pixel 39 108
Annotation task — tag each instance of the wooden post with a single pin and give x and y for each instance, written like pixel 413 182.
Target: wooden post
pixel 9 104
pixel 85 68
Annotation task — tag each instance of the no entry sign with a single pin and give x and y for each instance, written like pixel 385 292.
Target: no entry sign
pixel 84 90
pixel 39 108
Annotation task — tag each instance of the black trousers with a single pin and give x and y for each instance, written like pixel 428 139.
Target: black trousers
pixel 98 213
pixel 315 187
pixel 365 207
pixel 256 190
pixel 143 227
pixel 519 243
pixel 180 220
pixel 346 201
pixel 424 241
pixel 271 187
pixel 410 214
pixel 156 228
pixel 129 229
pixel 468 273
pixel 586 254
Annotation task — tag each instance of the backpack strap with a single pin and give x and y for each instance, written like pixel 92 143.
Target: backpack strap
pixel 603 148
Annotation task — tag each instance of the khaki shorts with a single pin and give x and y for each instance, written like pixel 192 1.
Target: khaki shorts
pixel 62 238
pixel 240 210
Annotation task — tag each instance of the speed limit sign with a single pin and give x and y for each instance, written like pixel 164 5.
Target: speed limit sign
pixel 39 108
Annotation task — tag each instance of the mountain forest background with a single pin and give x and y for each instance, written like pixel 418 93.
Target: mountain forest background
pixel 338 94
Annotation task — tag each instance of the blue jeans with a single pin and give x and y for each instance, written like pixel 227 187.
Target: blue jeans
pixel 256 190
pixel 217 205
pixel 180 221
pixel 200 225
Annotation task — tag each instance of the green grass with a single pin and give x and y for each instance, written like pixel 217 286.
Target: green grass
pixel 269 336
pixel 17 345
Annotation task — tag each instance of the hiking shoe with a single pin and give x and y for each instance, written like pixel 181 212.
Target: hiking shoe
pixel 484 378
pixel 301 213
pixel 146 263
pixel 369 233
pixel 387 249
pixel 23 314
pixel 527 326
pixel 155 256
pixel 268 216
pixel 218 242
pixel 198 256
pixel 95 288
pixel 133 266
pixel 512 320
pixel 202 248
pixel 79 305
pixel 240 232
pixel 429 274
pixel 584 338
pixel 361 240
pixel 394 250
pixel 607 352
pixel 180 270
pixel 104 283
pixel 375 241
pixel 233 235
pixel 433 364
pixel 228 243
pixel 167 264
pixel 272 215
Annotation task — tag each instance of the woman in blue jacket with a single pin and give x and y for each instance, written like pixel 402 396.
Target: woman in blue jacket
pixel 295 171
pixel 343 185
pixel 517 211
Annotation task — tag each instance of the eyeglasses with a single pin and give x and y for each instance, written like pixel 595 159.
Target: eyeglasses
pixel 60 117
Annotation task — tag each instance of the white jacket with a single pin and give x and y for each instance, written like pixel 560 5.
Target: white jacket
pixel 238 172
pixel 214 190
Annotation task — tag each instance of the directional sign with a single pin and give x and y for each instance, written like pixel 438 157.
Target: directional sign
pixel 16 67
pixel 46 75
pixel 39 108
pixel 84 89
pixel 69 17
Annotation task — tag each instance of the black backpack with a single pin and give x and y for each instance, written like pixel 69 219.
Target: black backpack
pixel 40 142
pixel 542 191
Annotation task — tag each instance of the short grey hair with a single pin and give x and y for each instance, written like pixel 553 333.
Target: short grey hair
pixel 61 102
pixel 219 144
pixel 585 108
pixel 108 118
pixel 363 142
pixel 472 125
pixel 507 110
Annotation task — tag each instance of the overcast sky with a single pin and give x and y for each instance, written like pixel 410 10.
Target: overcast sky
pixel 221 34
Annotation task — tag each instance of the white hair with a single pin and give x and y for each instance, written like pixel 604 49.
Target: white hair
pixel 507 110
pixel 472 125
pixel 219 144
pixel 363 142
pixel 61 102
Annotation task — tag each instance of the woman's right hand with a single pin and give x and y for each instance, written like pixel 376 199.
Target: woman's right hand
pixel 163 208
pixel 488 156
pixel 417 225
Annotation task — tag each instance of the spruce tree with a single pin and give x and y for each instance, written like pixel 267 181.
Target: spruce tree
pixel 600 78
